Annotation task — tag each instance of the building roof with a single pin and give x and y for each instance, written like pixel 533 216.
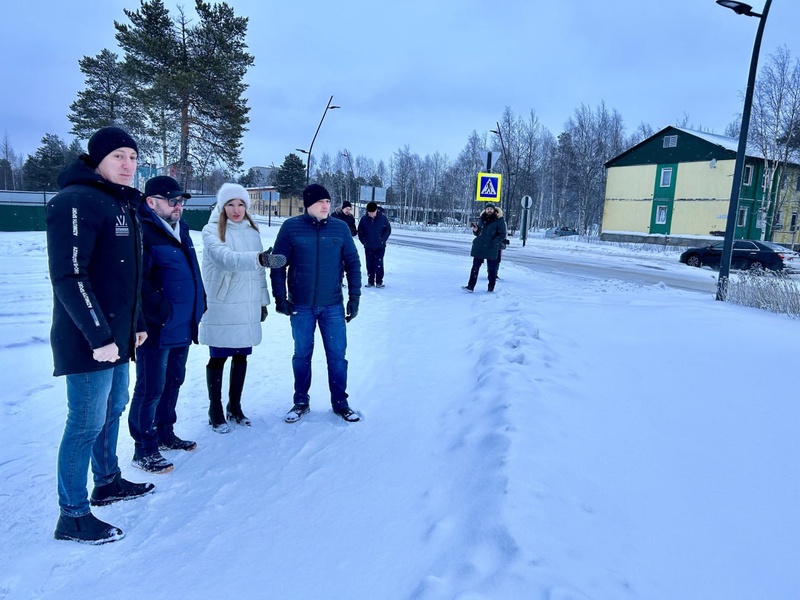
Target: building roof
pixel 698 146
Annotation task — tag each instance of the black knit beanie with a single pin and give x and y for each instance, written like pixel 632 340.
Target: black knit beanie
pixel 346 204
pixel 372 206
pixel 106 140
pixel 313 194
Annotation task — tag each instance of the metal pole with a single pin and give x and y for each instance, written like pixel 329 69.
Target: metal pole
pixel 311 147
pixel 352 173
pixel 733 209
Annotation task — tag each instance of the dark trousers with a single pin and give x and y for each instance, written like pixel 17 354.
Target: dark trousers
pixel 159 375
pixel 374 258
pixel 491 267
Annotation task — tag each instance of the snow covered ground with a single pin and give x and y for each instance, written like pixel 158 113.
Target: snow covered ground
pixel 561 439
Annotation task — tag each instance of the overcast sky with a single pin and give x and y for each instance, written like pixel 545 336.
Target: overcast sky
pixel 422 73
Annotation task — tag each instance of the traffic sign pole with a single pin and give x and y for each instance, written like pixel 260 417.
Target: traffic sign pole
pixel 526 203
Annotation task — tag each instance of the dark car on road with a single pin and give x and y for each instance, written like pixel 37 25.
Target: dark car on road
pixel 555 232
pixel 747 254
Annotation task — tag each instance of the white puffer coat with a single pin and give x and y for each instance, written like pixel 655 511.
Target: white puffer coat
pixel 236 285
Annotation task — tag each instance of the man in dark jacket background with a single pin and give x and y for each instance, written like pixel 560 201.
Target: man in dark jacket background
pixel 94 257
pixel 173 302
pixel 317 250
pixel 345 213
pixel 374 231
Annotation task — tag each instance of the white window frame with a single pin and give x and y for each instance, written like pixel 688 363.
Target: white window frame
pixel 666 174
pixel 661 214
pixel 748 175
pixel 670 141
pixel 741 218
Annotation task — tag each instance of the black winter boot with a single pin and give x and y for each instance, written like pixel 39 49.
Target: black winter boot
pixel 216 418
pixel 87 529
pixel 234 408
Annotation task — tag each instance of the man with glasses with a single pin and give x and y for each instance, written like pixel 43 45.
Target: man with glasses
pixel 173 301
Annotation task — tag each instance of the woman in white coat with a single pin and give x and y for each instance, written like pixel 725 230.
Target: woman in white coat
pixel 234 275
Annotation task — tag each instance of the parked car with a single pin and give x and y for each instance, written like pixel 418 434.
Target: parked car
pixel 556 232
pixel 747 254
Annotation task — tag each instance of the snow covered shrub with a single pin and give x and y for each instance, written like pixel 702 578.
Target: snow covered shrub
pixel 777 292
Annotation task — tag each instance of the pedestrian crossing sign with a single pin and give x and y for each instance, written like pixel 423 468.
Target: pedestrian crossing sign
pixel 488 187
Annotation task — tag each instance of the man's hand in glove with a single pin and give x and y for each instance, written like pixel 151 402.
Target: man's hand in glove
pixel 283 306
pixel 351 311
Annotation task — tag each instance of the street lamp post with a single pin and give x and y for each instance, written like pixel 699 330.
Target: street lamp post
pixel 346 154
pixel 499 133
pixel 740 8
pixel 328 107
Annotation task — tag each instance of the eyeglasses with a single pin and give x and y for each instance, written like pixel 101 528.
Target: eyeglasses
pixel 172 201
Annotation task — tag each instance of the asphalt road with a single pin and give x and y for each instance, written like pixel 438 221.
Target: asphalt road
pixel 625 270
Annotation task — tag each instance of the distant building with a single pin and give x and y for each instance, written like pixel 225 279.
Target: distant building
pixel 675 186
pixel 266 200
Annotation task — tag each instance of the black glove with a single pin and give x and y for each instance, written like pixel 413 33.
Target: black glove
pixel 268 259
pixel 264 313
pixel 283 306
pixel 351 312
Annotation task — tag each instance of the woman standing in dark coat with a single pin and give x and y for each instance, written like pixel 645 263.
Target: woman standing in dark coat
pixel 490 231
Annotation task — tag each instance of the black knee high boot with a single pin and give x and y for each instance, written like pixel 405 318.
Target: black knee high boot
pixel 216 417
pixel 234 408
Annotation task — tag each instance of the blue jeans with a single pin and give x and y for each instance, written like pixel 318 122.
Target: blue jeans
pixel 95 402
pixel 334 339
pixel 374 258
pixel 159 375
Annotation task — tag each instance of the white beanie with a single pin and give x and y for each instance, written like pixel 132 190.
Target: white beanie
pixel 228 192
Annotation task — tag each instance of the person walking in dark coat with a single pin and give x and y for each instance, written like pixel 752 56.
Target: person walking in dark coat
pixel 374 231
pixel 345 213
pixel 94 253
pixel 317 250
pixel 173 301
pixel 490 233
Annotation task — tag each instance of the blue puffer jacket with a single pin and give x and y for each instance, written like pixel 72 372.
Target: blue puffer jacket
pixel 374 233
pixel 173 298
pixel 316 253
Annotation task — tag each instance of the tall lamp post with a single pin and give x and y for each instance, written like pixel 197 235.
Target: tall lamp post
pixel 346 154
pixel 740 8
pixel 499 134
pixel 328 107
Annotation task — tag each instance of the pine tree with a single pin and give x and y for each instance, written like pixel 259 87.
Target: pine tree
pixel 41 170
pixel 107 99
pixel 290 179
pixel 189 81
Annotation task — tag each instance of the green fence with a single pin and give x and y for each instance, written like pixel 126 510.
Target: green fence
pixel 24 211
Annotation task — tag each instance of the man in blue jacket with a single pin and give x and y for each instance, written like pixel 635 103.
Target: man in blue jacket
pixel 374 231
pixel 173 301
pixel 317 249
pixel 94 255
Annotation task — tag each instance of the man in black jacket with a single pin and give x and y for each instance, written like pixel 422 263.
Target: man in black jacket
pixel 173 301
pixel 317 250
pixel 345 213
pixel 374 230
pixel 95 261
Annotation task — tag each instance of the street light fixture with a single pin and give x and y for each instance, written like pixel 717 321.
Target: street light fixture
pixel 346 154
pixel 328 107
pixel 740 8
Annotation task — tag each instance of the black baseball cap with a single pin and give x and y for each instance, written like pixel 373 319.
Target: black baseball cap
pixel 165 186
